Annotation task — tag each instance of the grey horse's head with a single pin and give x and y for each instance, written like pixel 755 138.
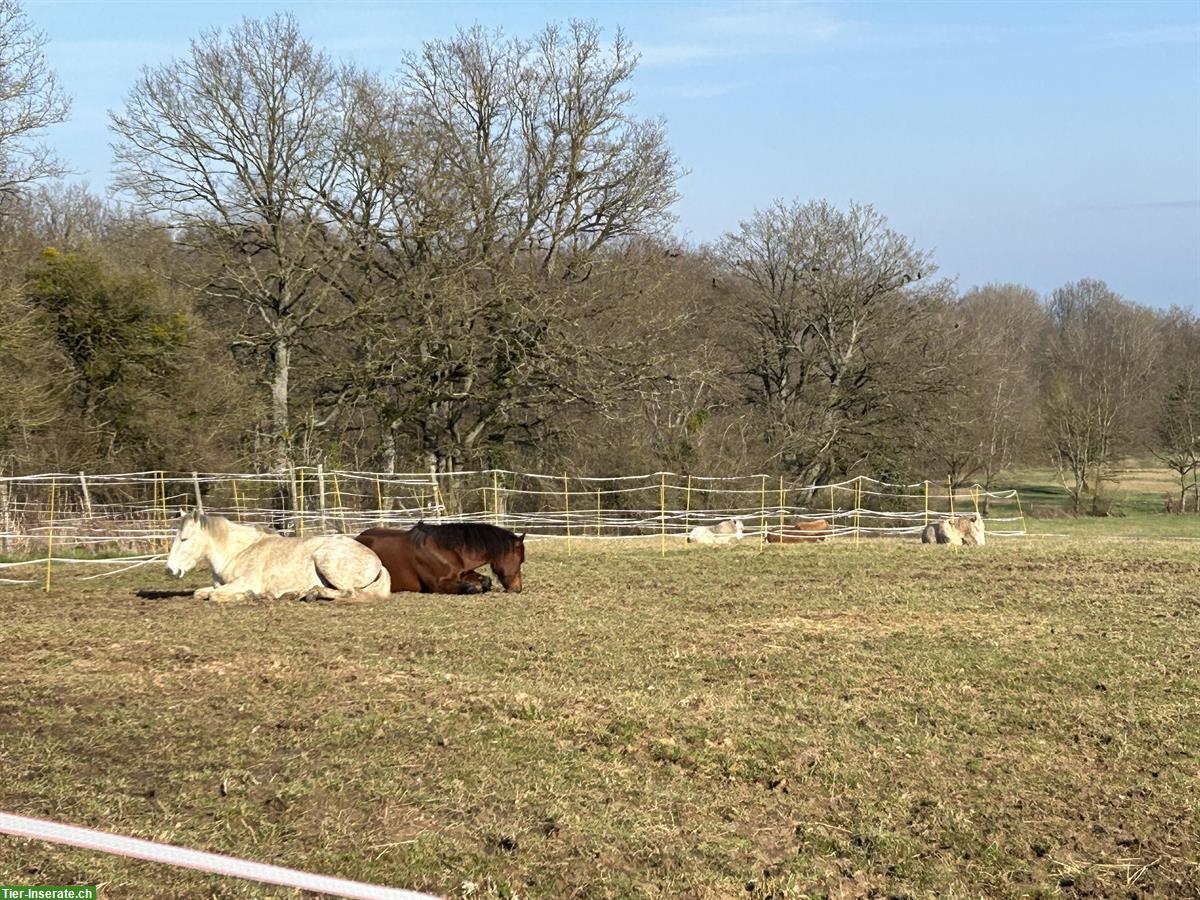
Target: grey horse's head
pixel 190 547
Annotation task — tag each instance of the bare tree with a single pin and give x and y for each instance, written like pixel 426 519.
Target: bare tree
pixel 1100 357
pixel 985 422
pixel 234 147
pixel 1177 430
pixel 30 100
pixel 486 195
pixel 843 337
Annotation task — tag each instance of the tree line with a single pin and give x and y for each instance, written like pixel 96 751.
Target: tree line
pixel 469 262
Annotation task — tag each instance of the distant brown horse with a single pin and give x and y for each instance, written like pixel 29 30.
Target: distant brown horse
pixel 802 533
pixel 442 559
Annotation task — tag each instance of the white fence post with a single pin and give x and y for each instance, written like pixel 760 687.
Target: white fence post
pixel 87 497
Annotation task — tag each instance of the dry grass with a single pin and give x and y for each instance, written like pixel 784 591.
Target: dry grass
pixel 810 721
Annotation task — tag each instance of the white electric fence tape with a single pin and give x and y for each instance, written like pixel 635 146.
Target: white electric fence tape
pixel 219 864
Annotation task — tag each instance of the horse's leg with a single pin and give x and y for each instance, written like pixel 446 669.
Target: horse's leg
pixel 484 582
pixel 443 572
pixel 456 584
pixel 327 594
pixel 227 593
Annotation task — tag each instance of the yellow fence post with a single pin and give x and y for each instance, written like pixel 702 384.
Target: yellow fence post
pixel 857 509
pixel 337 498
pixel 1024 525
pixel 159 515
pixel 950 492
pixel 379 501
pixel 662 511
pixel 833 523
pixel 597 512
pixel 975 499
pixel 687 513
pixel 495 497
pixel 237 505
pixel 926 483
pixel 762 514
pixel 567 511
pixel 162 506
pixel 782 501
pixel 155 543
pixel 50 536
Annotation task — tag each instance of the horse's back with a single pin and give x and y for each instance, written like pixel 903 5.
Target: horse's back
pixel 346 564
pixel 803 533
pixel 277 564
pixel 393 547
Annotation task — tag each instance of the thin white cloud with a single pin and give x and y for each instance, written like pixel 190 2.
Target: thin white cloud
pixel 706 34
pixel 745 29
pixel 654 55
pixel 1186 33
pixel 697 91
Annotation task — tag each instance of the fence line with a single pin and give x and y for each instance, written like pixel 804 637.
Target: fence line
pixel 125 519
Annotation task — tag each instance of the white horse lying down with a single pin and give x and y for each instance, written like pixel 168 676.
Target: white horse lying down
pixel 958 531
pixel 722 533
pixel 258 563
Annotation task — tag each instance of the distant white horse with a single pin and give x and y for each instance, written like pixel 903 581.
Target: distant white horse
pixel 958 531
pixel 722 533
pixel 258 563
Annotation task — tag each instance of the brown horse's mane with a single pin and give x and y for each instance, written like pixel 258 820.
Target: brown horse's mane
pixel 491 540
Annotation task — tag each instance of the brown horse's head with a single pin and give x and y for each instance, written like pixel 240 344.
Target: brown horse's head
pixel 507 565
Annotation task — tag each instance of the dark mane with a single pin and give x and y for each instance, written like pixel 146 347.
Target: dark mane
pixel 491 540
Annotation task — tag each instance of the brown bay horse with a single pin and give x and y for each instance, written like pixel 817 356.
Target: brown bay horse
pixel 803 533
pixel 442 559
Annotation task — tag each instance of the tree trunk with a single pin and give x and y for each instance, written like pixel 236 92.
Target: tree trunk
pixel 389 450
pixel 281 360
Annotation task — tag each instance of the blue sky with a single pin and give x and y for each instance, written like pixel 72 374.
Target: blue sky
pixel 1029 142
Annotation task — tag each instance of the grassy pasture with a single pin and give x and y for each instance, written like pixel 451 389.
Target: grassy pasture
pixel 1019 719
pixel 1138 489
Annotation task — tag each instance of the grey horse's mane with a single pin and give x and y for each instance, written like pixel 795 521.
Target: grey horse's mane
pixel 218 526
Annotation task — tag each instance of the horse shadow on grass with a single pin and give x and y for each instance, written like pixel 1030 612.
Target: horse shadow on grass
pixel 152 594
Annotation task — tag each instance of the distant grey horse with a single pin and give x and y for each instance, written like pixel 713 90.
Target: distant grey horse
pixel 958 531
pixel 722 533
